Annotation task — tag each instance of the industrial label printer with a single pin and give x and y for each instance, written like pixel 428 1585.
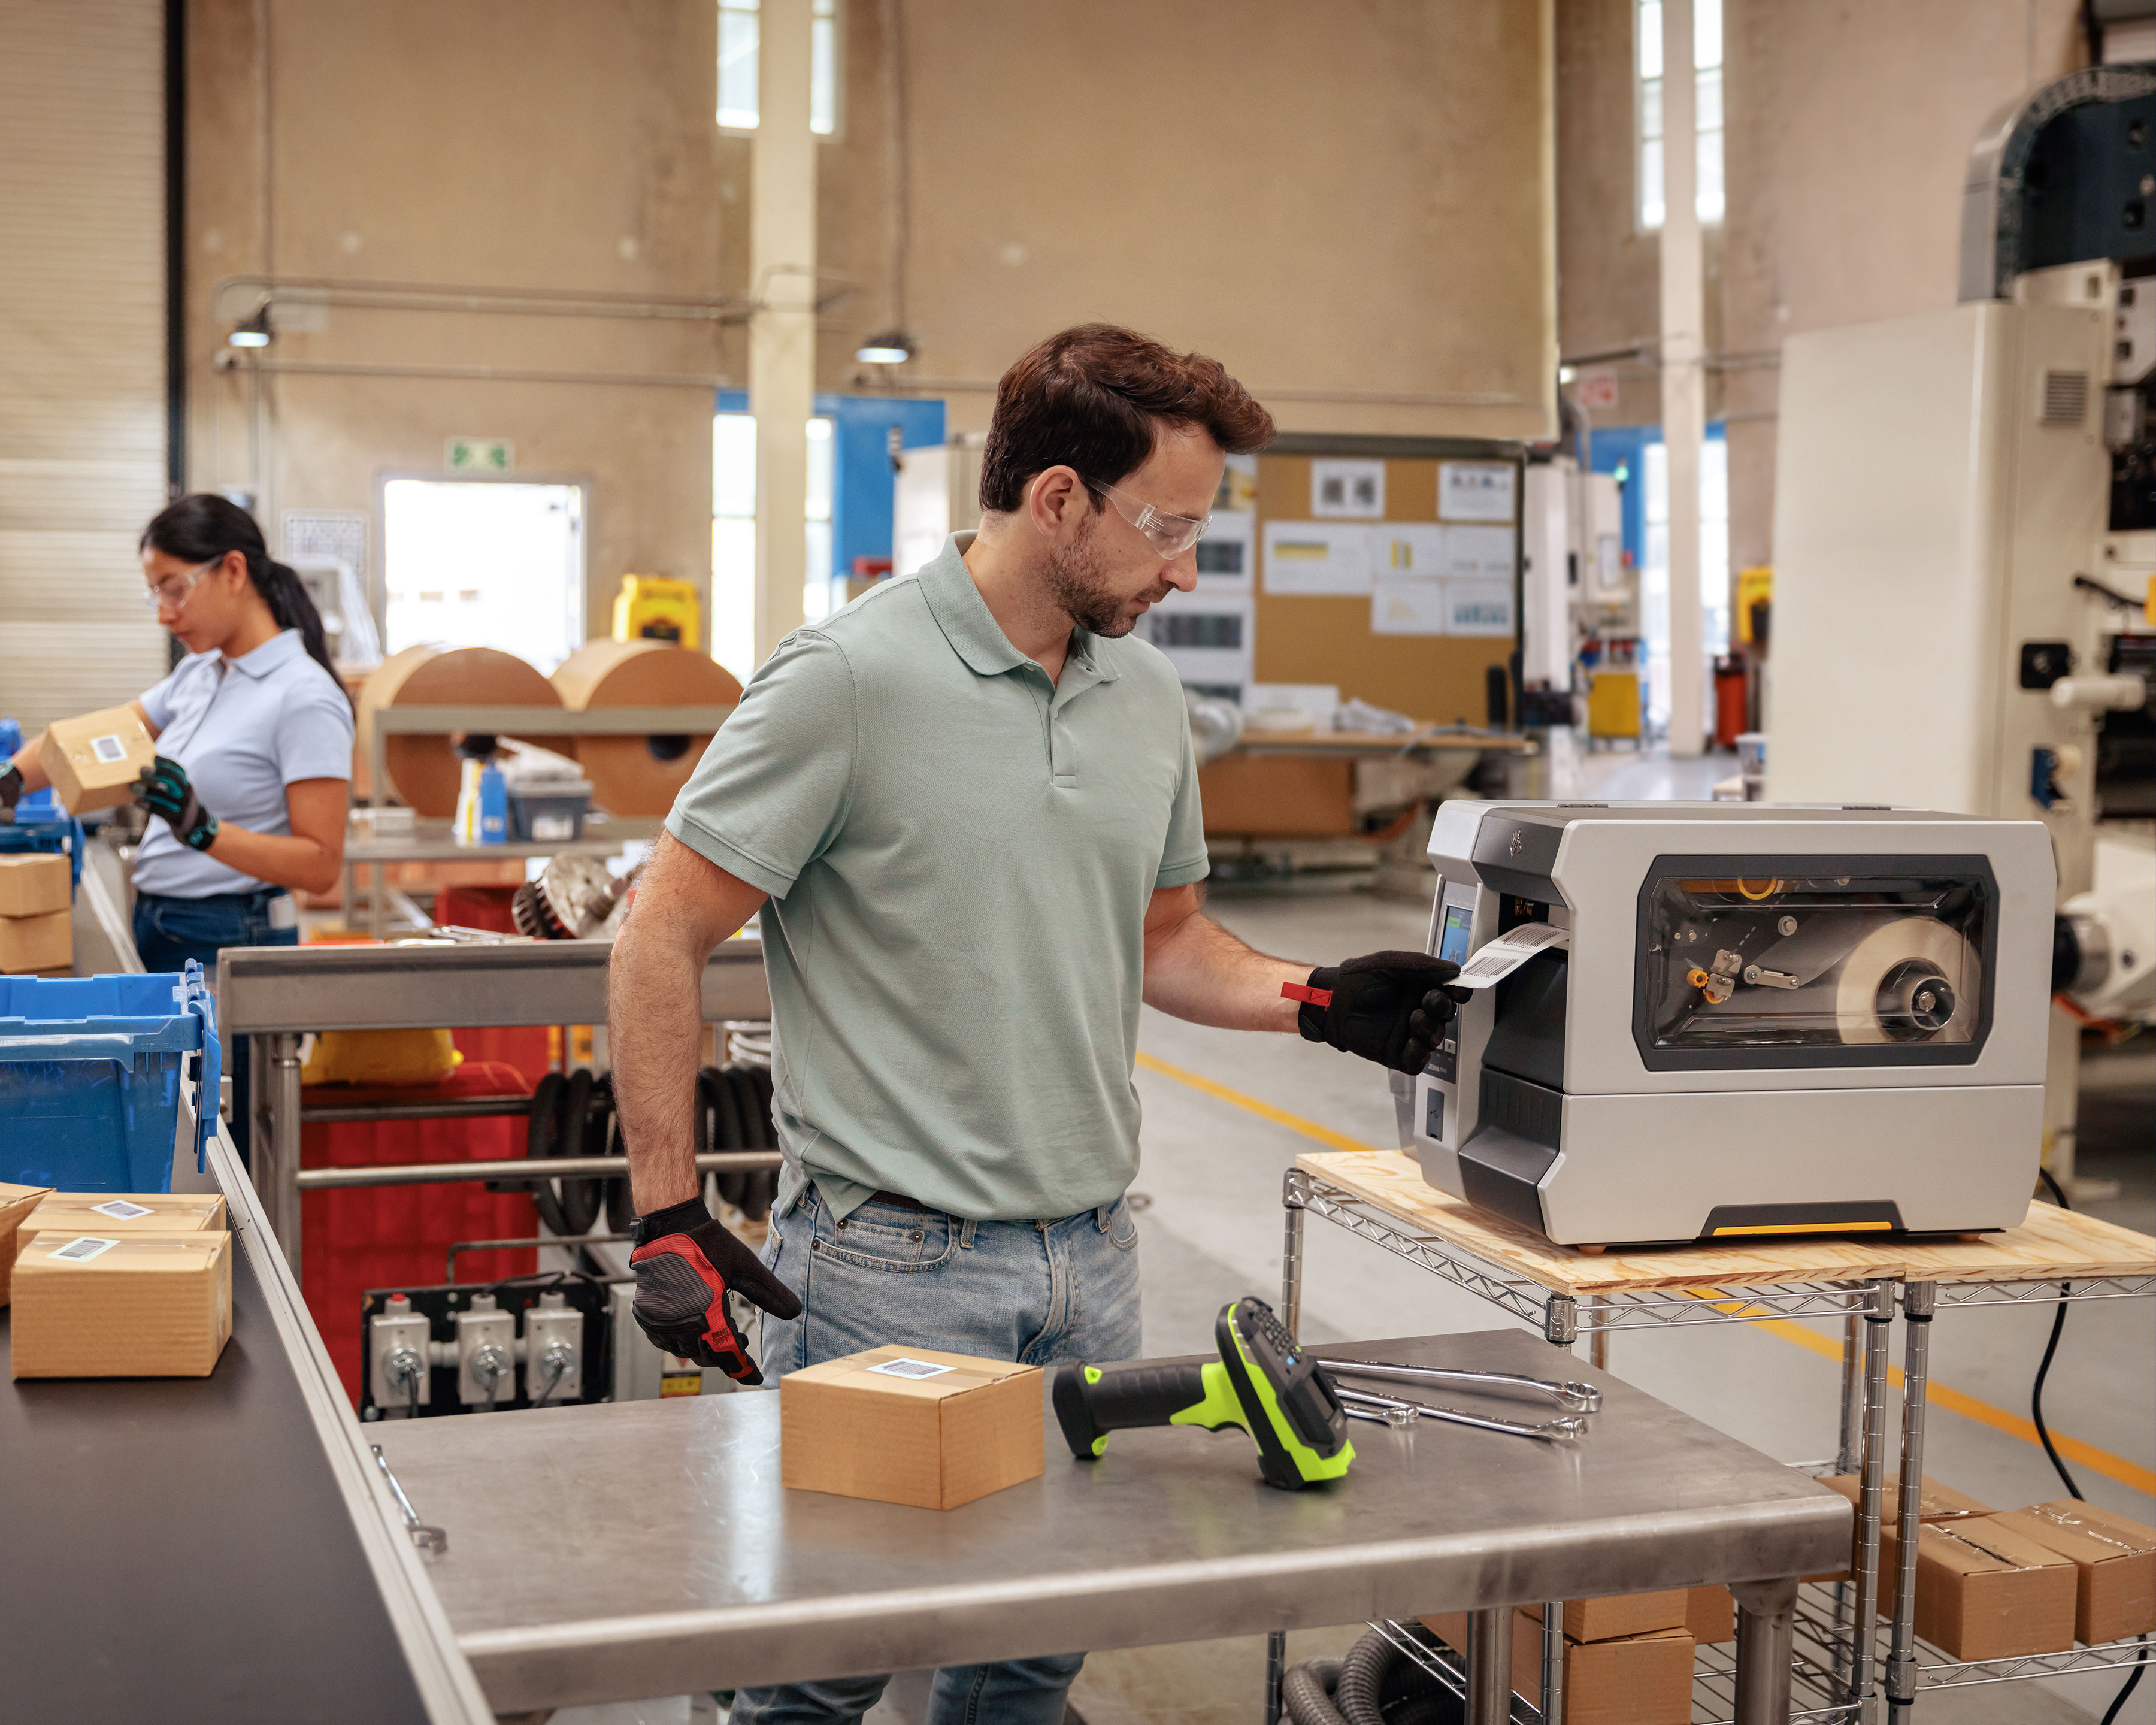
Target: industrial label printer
pixel 1692 1021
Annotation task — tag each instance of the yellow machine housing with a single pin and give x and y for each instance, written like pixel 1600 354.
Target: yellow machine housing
pixel 658 608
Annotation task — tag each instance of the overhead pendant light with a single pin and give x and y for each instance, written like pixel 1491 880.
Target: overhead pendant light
pixel 255 331
pixel 889 348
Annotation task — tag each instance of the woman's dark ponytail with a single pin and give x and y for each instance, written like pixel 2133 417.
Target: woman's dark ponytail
pixel 202 527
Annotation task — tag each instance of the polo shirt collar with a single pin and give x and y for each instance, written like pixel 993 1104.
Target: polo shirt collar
pixel 972 628
pixel 274 652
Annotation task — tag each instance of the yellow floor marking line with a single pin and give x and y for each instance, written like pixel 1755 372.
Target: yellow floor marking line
pixel 1251 1104
pixel 1940 1395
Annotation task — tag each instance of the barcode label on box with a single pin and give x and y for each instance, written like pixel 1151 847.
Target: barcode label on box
pixel 82 1249
pixel 108 749
pixel 911 1368
pixel 121 1211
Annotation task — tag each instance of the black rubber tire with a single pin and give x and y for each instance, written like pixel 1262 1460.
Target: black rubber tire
pixel 761 1184
pixel 727 1133
pixel 541 1135
pixel 620 1204
pixel 581 1198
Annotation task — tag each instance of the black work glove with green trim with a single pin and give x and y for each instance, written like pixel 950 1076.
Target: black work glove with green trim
pixel 1392 1008
pixel 165 790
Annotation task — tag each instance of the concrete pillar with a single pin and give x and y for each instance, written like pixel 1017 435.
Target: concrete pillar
pixel 782 331
pixel 1684 378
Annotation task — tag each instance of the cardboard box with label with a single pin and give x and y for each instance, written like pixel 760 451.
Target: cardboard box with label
pixel 29 943
pixel 1984 1591
pixel 1935 1502
pixel 35 883
pixel 95 761
pixel 128 1213
pixel 2114 1560
pixel 16 1204
pixel 121 1304
pixel 910 1425
pixel 1632 1680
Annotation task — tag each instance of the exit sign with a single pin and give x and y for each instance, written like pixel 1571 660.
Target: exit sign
pixel 479 454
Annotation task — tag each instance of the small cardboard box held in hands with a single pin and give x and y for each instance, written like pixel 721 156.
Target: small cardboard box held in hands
pixel 121 1305
pixel 94 761
pixel 910 1425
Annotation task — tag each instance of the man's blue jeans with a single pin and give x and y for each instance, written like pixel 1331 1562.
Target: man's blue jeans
pixel 1030 1291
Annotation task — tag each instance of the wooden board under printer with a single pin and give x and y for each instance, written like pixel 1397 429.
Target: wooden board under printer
pixel 1327 639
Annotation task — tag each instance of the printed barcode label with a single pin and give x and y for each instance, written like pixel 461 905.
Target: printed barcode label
pixel 80 1250
pixel 121 1211
pixel 108 749
pixel 911 1368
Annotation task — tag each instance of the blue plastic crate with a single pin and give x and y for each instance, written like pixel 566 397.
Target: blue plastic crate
pixel 91 1073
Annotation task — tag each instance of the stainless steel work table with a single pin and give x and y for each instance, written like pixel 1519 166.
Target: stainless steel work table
pixel 608 1553
pixel 273 994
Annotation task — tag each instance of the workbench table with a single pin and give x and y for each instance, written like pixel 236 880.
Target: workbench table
pixel 646 1549
pixel 217 1549
pixel 1569 1293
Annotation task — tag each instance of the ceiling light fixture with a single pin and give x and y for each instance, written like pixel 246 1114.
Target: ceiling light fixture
pixel 888 347
pixel 255 331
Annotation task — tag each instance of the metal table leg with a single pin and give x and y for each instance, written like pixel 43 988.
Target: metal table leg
pixel 275 1152
pixel 1916 1301
pixel 1553 1659
pixel 1878 1321
pixel 1290 1315
pixel 1766 1635
pixel 1490 1667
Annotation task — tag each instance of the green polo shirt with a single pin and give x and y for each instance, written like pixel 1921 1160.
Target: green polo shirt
pixel 959 855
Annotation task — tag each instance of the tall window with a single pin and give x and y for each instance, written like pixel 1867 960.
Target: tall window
pixel 1655 563
pixel 485 563
pixel 737 43
pixel 733 536
pixel 1706 76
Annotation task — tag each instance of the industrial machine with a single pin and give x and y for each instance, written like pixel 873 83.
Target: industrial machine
pixel 1965 531
pixel 1577 594
pixel 1690 1020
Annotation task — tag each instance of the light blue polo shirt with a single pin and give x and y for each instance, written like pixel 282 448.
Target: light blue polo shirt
pixel 244 728
pixel 959 855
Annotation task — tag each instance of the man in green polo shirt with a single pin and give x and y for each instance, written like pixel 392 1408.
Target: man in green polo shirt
pixel 966 809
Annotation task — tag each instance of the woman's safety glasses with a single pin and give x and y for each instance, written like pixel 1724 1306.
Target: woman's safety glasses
pixel 175 591
pixel 1170 535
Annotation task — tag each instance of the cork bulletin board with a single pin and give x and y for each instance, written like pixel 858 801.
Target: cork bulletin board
pixel 1328 638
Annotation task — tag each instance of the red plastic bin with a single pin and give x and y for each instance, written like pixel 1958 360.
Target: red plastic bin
pixel 367 1237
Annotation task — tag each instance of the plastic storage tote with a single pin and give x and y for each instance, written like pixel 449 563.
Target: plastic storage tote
pixel 90 1072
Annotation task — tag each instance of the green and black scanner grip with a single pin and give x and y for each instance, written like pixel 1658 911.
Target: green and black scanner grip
pixel 1262 1381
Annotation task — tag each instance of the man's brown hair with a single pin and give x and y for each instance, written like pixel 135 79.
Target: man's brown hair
pixel 1088 397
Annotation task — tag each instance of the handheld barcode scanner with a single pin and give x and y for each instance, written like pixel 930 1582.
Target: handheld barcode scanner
pixel 1263 1382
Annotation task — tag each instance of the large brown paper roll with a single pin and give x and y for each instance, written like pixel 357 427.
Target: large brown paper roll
pixel 423 771
pixel 637 776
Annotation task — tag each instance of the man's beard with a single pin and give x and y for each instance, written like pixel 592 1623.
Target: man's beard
pixel 1077 584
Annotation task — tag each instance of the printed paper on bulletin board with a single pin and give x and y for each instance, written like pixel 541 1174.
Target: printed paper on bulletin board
pixel 1416 548
pixel 1407 606
pixel 1478 608
pixel 1317 557
pixel 1227 556
pixel 1477 490
pixel 1480 551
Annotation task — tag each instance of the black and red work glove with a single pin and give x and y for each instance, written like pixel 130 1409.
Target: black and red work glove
pixel 685 1262
pixel 1388 1006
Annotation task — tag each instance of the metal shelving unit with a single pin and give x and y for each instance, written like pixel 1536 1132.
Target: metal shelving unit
pixel 1835 1669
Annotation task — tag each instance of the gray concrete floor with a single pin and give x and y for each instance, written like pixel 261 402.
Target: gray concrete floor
pixel 1212 1231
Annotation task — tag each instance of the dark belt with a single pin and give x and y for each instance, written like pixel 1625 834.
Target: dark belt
pixel 899 1200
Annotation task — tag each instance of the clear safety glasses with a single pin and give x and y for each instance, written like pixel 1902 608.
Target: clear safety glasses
pixel 1170 535
pixel 174 592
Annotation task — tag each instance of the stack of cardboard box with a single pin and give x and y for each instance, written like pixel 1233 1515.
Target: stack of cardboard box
pixel 1993 1585
pixel 115 1284
pixel 37 927
pixel 1628 1657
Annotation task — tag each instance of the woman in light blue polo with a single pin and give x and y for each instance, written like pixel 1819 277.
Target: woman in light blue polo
pixel 247 799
